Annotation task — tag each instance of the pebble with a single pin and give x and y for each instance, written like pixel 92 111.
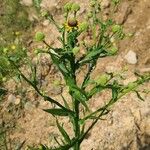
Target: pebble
pixel 131 57
pixel 13 99
pixel 45 23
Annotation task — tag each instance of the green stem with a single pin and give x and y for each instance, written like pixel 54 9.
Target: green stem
pixel 77 125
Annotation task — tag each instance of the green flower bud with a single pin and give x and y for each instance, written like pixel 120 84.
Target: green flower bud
pixel 75 50
pixel 103 79
pixel 92 3
pixel 75 7
pixel 36 51
pixel 83 26
pixel 89 15
pixel 68 6
pixel 39 36
pixel 116 28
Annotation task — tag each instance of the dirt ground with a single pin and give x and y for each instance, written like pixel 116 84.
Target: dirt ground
pixel 127 127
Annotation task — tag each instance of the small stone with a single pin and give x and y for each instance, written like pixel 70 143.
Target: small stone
pixel 17 101
pixel 131 57
pixel 11 98
pixel 45 23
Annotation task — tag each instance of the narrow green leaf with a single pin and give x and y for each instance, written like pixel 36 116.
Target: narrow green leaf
pixel 94 54
pixel 58 112
pixel 65 102
pixel 63 132
pixel 2 91
pixel 59 64
pixel 114 93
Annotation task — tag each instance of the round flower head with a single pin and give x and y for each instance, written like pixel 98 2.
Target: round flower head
pixel 68 6
pixel 71 24
pixel 75 7
pixel 39 36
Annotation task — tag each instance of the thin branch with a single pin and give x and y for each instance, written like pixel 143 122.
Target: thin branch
pixel 38 91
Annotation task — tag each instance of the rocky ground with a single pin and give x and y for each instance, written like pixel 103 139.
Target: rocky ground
pixel 127 127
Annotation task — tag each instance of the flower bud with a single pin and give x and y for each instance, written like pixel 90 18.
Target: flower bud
pixel 75 50
pixel 92 3
pixel 89 15
pixel 116 28
pixel 72 22
pixel 68 6
pixel 83 26
pixel 39 36
pixel 75 7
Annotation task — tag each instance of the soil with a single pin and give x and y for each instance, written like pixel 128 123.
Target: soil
pixel 127 126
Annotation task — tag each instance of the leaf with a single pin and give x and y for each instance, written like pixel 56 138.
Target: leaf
pixel 2 91
pixel 65 102
pixel 81 98
pixel 92 55
pixel 59 64
pixel 94 90
pixel 63 132
pixel 59 112
pixel 114 93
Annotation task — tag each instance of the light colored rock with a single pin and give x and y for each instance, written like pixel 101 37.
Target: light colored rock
pixel 45 23
pixel 13 99
pixel 131 57
pixel 17 101
pixel 26 2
